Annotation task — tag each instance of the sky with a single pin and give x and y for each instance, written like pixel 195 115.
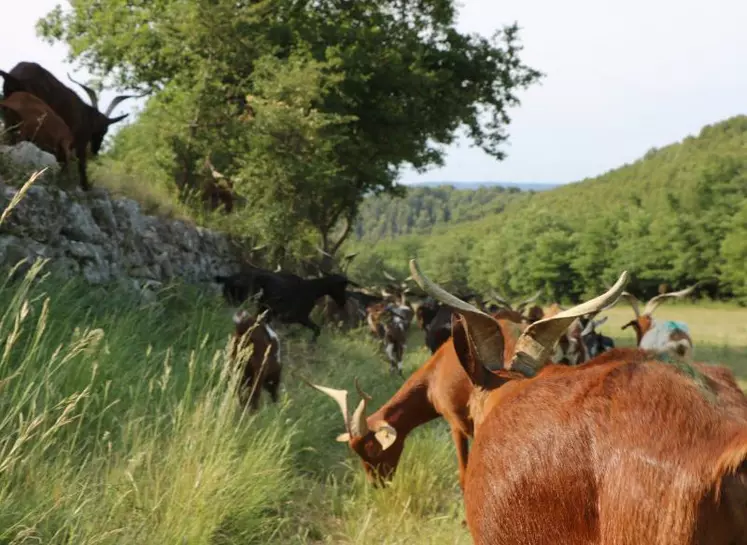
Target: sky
pixel 621 78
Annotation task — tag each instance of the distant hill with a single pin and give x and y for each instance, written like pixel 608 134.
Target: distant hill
pixel 524 186
pixel 425 207
pixel 676 216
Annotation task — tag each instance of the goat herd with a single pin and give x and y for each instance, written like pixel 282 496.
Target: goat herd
pixel 574 441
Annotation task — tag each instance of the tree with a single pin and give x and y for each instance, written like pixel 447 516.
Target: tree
pixel 675 217
pixel 392 83
pixel 734 251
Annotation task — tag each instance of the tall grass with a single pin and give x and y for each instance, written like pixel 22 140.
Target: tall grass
pixel 118 422
pixel 119 425
pixel 111 434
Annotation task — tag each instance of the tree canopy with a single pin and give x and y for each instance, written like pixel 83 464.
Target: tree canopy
pixel 424 208
pixel 307 106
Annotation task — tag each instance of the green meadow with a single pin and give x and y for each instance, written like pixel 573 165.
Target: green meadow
pixel 119 425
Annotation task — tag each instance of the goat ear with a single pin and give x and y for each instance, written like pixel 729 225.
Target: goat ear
pixel 385 434
pixel 343 438
pixel 464 346
pixel 482 333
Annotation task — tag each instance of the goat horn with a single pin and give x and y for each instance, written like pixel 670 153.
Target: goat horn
pixel 359 424
pixel 659 299
pixel 321 251
pixel 389 277
pixel 535 345
pixel 437 292
pixel 592 324
pixel 525 302
pixel 588 329
pixel 341 397
pixel 90 92
pixel 500 300
pixel 118 99
pixel 599 322
pixel 633 302
pixel 484 330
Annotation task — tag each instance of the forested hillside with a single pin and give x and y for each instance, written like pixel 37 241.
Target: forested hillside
pixel 678 215
pixel 424 208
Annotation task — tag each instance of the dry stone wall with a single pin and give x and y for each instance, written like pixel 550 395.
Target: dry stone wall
pixel 106 239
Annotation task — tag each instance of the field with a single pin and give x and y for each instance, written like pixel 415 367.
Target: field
pixel 119 422
pixel 719 331
pixel 118 426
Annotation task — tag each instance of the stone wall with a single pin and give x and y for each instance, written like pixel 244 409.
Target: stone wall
pixel 107 239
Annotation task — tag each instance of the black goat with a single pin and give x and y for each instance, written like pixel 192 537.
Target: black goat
pixel 595 342
pixel 438 330
pixel 285 296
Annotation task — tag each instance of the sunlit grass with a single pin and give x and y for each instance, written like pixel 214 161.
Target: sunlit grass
pixel 119 425
pixel 154 198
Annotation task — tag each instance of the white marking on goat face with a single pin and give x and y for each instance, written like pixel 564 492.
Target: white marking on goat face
pixel 274 337
pixel 240 316
pixel 680 349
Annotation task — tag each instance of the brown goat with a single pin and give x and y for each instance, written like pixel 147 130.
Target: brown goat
pixel 440 387
pixel 551 310
pixel 262 368
pixel 87 124
pixel 347 317
pixel 615 451
pixel 37 123
pixel 425 313
pixel 218 193
pixel 217 190
pixel 535 313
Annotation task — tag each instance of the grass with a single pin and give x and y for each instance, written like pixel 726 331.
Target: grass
pixel 154 198
pixel 118 425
